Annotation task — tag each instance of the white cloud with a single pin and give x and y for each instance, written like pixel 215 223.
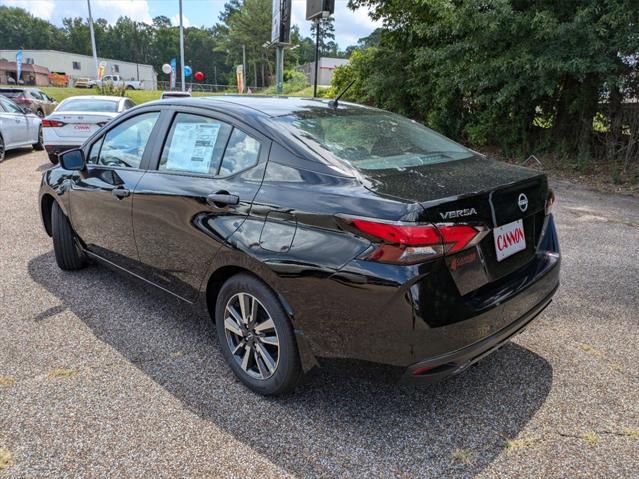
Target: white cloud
pixel 350 25
pixel 110 10
pixel 175 20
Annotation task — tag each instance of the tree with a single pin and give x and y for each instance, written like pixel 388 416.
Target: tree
pixel 491 72
pixel 327 45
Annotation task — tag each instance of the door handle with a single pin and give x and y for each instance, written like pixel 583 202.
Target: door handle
pixel 120 193
pixel 221 199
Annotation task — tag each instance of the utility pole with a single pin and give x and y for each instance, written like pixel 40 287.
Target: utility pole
pixel 95 53
pixel 244 75
pixel 181 48
pixel 215 76
pixel 279 69
pixel 317 43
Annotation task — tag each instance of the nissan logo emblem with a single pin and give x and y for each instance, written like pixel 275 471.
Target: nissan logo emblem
pixel 522 201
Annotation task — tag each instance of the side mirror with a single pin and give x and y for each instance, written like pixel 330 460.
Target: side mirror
pixel 72 160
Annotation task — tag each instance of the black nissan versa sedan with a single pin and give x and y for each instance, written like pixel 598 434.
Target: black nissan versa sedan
pixel 311 229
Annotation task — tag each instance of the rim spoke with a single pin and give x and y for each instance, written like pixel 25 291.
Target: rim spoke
pixel 264 372
pixel 236 316
pixel 272 340
pixel 240 345
pixel 245 359
pixel 268 360
pixel 252 311
pixel 265 326
pixel 232 326
pixel 244 308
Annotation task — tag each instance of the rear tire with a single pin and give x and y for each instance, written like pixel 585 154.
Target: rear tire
pixel 269 370
pixel 67 252
pixel 53 158
pixel 1 148
pixel 40 113
pixel 39 146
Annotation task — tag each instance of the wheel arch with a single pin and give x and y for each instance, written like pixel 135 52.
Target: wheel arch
pixel 46 207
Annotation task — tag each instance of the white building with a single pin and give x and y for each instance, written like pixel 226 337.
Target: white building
pixel 82 66
pixel 326 67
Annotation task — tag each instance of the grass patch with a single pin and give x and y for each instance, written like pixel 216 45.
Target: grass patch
pixel 630 432
pixel 590 438
pixel 589 348
pixel 62 373
pixel 461 455
pixel 6 459
pixel 515 444
pixel 6 380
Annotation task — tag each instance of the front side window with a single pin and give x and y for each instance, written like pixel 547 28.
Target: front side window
pixel 241 153
pixel 124 145
pixel 372 139
pixel 195 144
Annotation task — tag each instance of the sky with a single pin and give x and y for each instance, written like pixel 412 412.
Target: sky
pixel 349 26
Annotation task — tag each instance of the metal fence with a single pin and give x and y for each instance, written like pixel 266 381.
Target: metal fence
pixel 206 87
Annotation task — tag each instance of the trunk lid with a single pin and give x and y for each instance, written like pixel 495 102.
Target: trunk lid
pixel 79 124
pixel 476 191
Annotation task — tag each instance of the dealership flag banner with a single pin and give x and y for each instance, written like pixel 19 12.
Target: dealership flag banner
pixel 101 69
pixel 18 65
pixel 173 70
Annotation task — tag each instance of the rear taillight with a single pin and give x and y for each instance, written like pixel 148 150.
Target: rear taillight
pixel 407 243
pixel 52 123
pixel 23 100
pixel 550 202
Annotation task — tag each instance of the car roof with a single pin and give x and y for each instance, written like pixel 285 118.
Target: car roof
pixel 255 105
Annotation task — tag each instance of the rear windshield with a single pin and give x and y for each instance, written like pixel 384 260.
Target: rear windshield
pixel 372 139
pixel 11 93
pixel 89 105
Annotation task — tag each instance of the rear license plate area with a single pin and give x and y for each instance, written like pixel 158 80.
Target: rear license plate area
pixel 509 239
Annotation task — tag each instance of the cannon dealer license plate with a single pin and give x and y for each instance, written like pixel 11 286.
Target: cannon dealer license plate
pixel 509 239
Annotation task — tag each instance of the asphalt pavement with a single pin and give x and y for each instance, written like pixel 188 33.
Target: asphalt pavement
pixel 103 377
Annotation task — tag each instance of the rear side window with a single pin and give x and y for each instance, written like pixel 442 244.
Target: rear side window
pixel 241 153
pixel 195 144
pixel 124 145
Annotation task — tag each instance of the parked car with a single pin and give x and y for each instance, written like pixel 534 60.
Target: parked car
pixel 118 81
pixel 82 82
pixel 18 127
pixel 76 118
pixel 32 99
pixel 174 94
pixel 310 229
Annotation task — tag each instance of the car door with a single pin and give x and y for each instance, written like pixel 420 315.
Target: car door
pixel 101 196
pixel 207 174
pixel 15 129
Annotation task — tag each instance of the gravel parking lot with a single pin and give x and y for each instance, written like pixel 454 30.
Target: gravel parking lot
pixel 102 377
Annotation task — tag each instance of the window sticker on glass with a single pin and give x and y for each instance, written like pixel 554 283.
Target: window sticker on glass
pixel 192 147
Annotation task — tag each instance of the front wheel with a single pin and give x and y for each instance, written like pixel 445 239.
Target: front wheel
pixel 67 252
pixel 53 158
pixel 1 148
pixel 256 337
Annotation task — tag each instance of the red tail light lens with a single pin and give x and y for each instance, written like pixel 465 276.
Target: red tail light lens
pixel 22 99
pixel 52 123
pixel 409 244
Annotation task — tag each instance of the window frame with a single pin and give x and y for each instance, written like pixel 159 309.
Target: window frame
pixel 76 65
pixel 172 111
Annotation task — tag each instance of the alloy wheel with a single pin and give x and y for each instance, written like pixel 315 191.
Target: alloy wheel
pixel 251 336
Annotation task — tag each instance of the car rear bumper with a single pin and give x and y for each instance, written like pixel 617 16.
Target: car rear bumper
pixel 437 368
pixel 57 149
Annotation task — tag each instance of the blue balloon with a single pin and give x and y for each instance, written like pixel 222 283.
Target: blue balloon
pixel 187 71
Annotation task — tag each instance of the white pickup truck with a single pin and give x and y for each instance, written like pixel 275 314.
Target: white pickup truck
pixel 117 81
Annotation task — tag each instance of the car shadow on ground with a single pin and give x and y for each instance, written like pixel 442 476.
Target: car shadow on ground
pixel 341 421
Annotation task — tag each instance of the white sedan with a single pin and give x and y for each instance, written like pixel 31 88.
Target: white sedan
pixel 18 127
pixel 77 118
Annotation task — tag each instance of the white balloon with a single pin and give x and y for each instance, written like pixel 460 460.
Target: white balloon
pixel 166 68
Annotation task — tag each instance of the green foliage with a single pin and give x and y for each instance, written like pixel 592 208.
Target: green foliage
pixel 294 82
pixel 111 89
pixel 490 73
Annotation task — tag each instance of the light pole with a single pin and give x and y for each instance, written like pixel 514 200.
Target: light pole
pixel 181 48
pixel 95 54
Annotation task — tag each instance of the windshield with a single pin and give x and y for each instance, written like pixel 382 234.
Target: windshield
pixel 89 105
pixel 372 139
